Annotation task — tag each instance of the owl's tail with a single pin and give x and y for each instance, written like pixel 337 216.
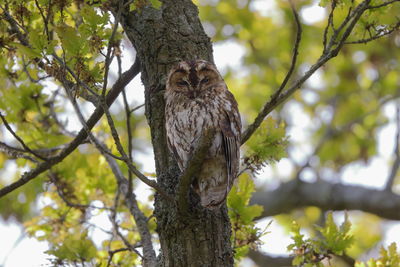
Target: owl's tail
pixel 213 197
pixel 212 183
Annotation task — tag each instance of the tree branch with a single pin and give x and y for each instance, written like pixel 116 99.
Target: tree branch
pixel 15 152
pixel 193 167
pixel 27 149
pixel 128 115
pixel 94 118
pixel 126 159
pixel 149 255
pixel 262 259
pixel 108 57
pixel 274 98
pixel 136 108
pixel 57 121
pixel 396 164
pixel 295 51
pixel 384 4
pixel 113 219
pixel 335 44
pixel 111 254
pixel 380 33
pixel 329 24
pixel 54 178
pixel 93 140
pixel 327 196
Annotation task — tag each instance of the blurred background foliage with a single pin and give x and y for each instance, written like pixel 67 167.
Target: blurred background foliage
pixel 331 123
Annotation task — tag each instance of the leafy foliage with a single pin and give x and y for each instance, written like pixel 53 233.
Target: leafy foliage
pixel 75 248
pixel 267 145
pixel 332 240
pixel 388 257
pixel 245 234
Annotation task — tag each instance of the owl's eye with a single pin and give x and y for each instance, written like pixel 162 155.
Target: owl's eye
pixel 182 83
pixel 205 80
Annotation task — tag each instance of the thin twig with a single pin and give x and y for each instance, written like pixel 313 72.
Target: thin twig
pixel 352 18
pixel 275 97
pixel 92 139
pixel 125 158
pixel 113 219
pixel 136 108
pixel 55 180
pixel 15 26
pixel 20 139
pixel 330 24
pixel 31 79
pixel 113 252
pixel 384 4
pixel 21 237
pixel 128 126
pixel 379 34
pixel 149 255
pixel 295 51
pixel 109 48
pixel 15 152
pixel 336 32
pixel 53 114
pixel 79 82
pixel 44 18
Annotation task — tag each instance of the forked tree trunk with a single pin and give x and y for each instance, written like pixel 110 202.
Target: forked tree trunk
pixel 162 38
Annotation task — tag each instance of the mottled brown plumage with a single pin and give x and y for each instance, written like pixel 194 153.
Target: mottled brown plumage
pixel 197 98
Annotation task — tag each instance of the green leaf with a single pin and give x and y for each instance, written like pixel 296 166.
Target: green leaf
pixel 29 52
pixel 269 142
pixel 297 261
pixel 242 216
pixel 333 240
pixel 239 198
pixel 296 236
pixel 388 257
pixel 75 247
pixel 323 3
pixel 93 18
pixel 37 40
pixel 71 40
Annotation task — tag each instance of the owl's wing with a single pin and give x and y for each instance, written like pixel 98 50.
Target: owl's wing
pixel 172 148
pixel 230 128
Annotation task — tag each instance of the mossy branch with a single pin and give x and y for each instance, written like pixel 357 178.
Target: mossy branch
pixel 194 166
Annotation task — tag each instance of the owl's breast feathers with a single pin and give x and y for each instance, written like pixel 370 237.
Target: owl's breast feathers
pixel 186 121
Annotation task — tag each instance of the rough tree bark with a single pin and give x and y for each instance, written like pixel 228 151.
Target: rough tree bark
pixel 163 37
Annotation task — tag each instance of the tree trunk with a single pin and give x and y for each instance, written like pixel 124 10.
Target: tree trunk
pixel 163 37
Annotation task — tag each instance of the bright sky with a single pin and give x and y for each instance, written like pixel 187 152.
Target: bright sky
pixel 276 241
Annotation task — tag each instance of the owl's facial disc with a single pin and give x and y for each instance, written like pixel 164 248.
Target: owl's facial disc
pixel 193 78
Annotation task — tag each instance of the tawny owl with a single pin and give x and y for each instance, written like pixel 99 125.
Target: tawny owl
pixel 197 98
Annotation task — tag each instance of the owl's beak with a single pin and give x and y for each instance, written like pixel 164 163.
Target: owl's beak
pixel 193 94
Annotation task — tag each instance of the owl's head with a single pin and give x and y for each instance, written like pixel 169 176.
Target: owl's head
pixel 192 78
